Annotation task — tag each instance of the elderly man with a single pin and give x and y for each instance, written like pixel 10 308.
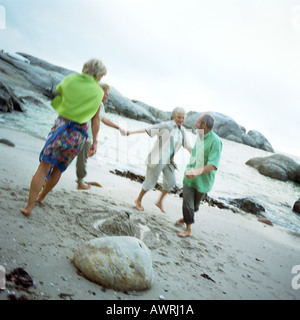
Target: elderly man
pixel 199 179
pixel 171 137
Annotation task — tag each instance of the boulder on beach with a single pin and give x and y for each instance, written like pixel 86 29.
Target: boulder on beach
pixel 248 205
pixel 121 263
pixel 296 207
pixel 277 166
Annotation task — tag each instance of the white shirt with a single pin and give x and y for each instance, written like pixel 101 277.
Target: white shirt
pixel 170 138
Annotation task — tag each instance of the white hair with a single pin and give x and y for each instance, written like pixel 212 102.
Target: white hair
pixel 178 110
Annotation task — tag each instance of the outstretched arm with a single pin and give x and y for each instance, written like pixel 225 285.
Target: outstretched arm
pixel 113 125
pixel 136 131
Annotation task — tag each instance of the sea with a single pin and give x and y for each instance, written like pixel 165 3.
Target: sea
pixel 234 178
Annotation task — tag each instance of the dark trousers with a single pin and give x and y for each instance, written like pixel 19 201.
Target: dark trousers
pixel 191 203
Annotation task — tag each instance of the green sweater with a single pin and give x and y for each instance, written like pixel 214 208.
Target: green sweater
pixel 79 98
pixel 205 153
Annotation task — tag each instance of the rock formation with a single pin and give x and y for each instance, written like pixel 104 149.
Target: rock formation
pixel 227 128
pixel 27 79
pixel 277 166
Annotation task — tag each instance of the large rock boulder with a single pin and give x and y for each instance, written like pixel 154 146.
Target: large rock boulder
pixel 120 263
pixel 277 166
pixel 119 104
pixel 296 207
pixel 37 76
pixel 229 129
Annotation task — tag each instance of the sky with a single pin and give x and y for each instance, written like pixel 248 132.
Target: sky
pixel 237 57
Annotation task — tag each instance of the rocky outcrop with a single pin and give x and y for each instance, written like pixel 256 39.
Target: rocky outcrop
pixel 225 127
pixel 121 263
pixel 119 104
pixel 277 166
pixel 9 100
pixel 28 79
pixel 248 205
pixel 38 77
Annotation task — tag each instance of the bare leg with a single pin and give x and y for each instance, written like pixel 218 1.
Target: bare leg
pixel 36 186
pixel 138 201
pixel 50 184
pixel 159 202
pixel 186 233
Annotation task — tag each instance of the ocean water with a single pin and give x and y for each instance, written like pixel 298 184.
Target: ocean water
pixel 234 178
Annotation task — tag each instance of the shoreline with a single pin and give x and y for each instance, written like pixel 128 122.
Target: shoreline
pixel 245 258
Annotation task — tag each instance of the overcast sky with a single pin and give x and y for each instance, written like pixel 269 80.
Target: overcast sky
pixel 237 57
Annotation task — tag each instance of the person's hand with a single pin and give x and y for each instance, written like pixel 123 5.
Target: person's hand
pixel 193 173
pixel 128 133
pixel 93 149
pixel 123 132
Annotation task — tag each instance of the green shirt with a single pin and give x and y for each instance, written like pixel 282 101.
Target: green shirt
pixel 204 152
pixel 79 98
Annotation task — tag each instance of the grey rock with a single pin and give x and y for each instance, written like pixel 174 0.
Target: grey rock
pixel 9 101
pixel 159 115
pixel 120 263
pixel 119 104
pixel 248 205
pixel 277 166
pixel 229 129
pixel 296 207
pixel 36 76
pixel 260 141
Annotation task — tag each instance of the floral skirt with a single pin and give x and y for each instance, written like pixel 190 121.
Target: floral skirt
pixel 64 141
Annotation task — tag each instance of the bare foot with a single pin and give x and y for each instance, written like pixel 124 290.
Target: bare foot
pixel 83 186
pixel 159 205
pixel 179 222
pixel 138 205
pixel 26 212
pixel 184 234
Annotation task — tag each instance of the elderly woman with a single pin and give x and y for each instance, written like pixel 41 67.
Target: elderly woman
pixel 78 101
pixel 171 136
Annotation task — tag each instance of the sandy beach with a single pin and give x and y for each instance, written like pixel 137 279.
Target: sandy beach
pixel 229 256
